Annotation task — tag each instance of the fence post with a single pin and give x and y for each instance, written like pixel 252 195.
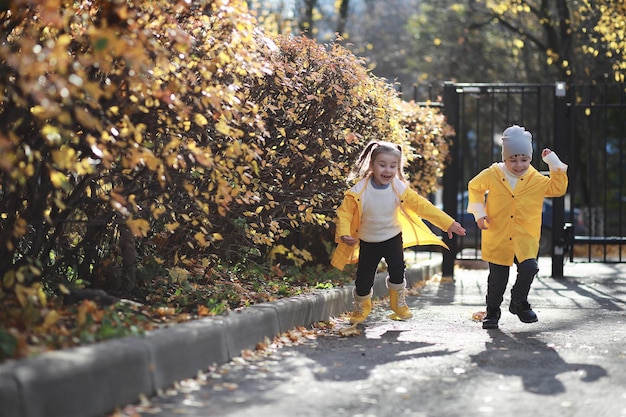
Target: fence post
pixel 450 174
pixel 558 204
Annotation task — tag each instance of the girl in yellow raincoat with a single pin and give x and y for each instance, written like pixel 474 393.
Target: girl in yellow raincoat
pixel 378 218
pixel 506 200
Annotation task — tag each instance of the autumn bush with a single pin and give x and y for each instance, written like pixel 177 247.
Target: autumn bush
pixel 147 142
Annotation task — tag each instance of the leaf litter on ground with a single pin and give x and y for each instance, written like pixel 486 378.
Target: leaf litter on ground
pixel 213 376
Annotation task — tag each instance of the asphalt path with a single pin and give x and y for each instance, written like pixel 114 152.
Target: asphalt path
pixel 440 363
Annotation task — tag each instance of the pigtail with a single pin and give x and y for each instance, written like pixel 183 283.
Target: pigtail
pixel 401 164
pixel 362 167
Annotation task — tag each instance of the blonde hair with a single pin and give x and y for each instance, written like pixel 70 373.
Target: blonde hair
pixel 363 167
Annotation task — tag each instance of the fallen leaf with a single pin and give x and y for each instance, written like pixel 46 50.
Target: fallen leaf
pixel 479 315
pixel 350 331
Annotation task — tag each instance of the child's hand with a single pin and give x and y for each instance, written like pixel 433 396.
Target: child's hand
pixel 482 223
pixel 552 160
pixel 456 228
pixel 349 240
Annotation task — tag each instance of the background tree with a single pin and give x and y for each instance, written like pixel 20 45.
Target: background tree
pixel 557 31
pixel 427 42
pixel 608 37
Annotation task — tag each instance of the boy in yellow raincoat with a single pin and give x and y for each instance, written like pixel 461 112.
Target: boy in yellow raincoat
pixel 506 200
pixel 378 218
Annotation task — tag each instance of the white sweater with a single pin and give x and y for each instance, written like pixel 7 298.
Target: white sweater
pixel 380 214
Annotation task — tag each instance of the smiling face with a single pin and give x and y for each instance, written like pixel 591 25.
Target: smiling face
pixel 385 167
pixel 517 164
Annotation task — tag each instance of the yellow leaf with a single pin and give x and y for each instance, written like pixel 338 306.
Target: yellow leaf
pixel 199 236
pixel 172 226
pixel 139 227
pixel 59 203
pixel 224 59
pixel 65 157
pixel 350 331
pixel 81 318
pixel 157 211
pixel 9 279
pixel 223 127
pixel 200 120
pixel 51 319
pixel 24 294
pixel 51 133
pixel 64 289
pixel 178 274
pixel 58 179
pixel 279 249
pixel 41 294
pixel 43 112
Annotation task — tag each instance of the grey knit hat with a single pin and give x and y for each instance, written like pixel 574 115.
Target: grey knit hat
pixel 516 141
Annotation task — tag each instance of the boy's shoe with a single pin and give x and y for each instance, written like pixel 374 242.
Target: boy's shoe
pixel 362 307
pixel 522 310
pixel 491 319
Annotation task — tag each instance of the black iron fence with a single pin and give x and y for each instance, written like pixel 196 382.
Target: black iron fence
pixel 585 125
pixel 597 141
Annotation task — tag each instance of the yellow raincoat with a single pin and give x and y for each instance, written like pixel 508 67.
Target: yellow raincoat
pixel 412 207
pixel 514 217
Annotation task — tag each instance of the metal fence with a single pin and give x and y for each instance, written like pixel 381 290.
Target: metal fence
pixel 597 144
pixel 585 125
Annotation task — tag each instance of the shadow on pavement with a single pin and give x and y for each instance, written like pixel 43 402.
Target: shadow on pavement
pixel 358 357
pixel 535 362
pixel 608 292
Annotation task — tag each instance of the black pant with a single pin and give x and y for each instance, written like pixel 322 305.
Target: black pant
pixel 370 255
pixel 499 278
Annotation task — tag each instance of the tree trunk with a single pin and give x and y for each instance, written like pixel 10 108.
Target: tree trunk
pixel 343 17
pixel 129 258
pixel 306 18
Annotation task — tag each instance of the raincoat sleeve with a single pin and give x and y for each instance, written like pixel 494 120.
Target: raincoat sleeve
pixel 427 210
pixel 345 216
pixel 476 189
pixel 347 224
pixel 558 184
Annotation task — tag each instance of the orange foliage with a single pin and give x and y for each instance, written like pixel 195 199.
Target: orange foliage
pixel 181 124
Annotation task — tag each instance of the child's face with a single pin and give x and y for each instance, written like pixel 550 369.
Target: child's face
pixel 385 167
pixel 517 164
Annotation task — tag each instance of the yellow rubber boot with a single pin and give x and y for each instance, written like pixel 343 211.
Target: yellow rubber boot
pixel 362 307
pixel 397 301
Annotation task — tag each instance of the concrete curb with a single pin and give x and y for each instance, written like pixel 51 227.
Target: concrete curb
pixel 93 380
